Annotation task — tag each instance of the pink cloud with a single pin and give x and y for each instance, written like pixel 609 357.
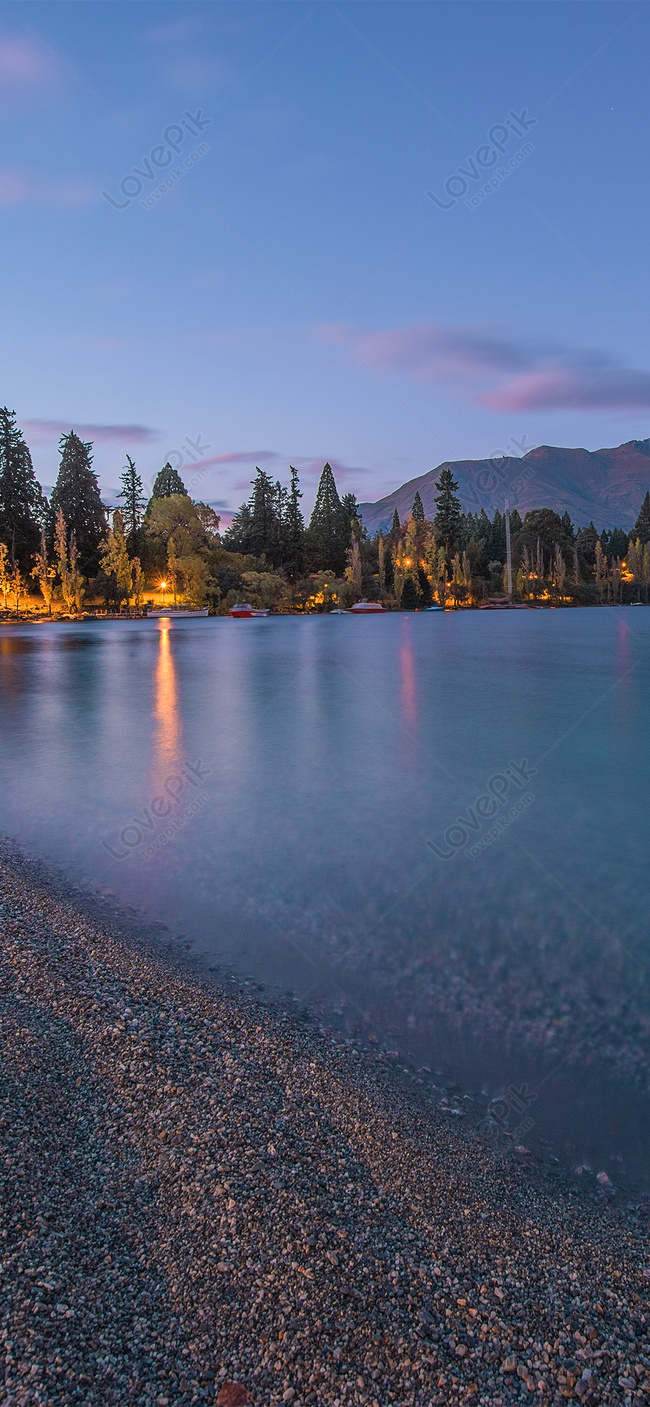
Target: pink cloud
pixel 493 369
pixel 219 461
pixel 558 388
pixel 22 62
pixel 43 431
pixel 20 188
pixel 432 351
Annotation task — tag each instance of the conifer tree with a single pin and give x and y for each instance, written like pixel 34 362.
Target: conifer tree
pixel 329 524
pixel 295 527
pixel 395 524
pixel 167 482
pixel 566 524
pixel 76 494
pixel 409 599
pixel 134 502
pixel 448 510
pixel 642 525
pixel 418 508
pixel 22 505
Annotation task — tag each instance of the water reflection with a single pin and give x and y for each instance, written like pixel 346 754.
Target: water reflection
pixel 407 673
pixel 167 752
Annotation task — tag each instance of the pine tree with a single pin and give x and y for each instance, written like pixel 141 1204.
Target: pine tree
pixel 295 527
pixel 395 524
pixel 448 510
pixel 352 512
pixel 418 508
pixel 22 505
pixel 567 525
pixel 167 482
pixel 330 524
pixel 642 525
pixel 76 493
pixel 409 599
pixel 134 502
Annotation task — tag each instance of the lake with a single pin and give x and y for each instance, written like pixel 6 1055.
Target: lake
pixel 429 830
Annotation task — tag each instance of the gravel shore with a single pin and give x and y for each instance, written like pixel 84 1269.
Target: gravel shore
pixel 197 1193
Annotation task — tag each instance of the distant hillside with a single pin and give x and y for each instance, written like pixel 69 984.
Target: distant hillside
pixel 606 485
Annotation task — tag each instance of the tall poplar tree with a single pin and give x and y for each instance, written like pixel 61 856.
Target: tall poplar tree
pixel 329 524
pixel 448 509
pixel 76 493
pixel 22 505
pixel 134 502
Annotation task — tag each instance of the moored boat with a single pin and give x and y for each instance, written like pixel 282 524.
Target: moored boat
pixel 242 611
pixel 178 612
pixel 367 608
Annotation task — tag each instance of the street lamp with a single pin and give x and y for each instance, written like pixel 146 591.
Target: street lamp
pixel 163 587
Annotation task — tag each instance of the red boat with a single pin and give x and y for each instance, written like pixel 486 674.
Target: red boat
pixel 242 611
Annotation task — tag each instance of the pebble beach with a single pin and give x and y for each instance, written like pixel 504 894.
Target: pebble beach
pixel 204 1201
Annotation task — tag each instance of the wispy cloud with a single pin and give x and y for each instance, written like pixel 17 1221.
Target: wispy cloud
pixel 22 64
pixel 43 431
pixel 18 187
pixel 579 388
pixel 489 367
pixel 223 461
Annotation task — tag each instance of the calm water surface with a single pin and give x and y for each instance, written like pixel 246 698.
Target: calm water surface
pixel 432 829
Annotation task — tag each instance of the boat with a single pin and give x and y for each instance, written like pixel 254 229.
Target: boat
pixel 178 612
pixel 367 608
pixel 433 608
pixel 242 611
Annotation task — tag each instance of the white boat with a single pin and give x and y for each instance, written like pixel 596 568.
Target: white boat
pixel 178 612
pixel 367 608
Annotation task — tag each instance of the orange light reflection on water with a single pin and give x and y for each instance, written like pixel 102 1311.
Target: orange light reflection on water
pixel 407 677
pixel 167 737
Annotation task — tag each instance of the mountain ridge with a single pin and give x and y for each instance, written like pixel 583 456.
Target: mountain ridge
pixel 604 485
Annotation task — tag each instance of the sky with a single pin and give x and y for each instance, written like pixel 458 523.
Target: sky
pixel 385 235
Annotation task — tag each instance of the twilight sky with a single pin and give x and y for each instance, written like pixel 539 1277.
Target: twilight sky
pixel 381 234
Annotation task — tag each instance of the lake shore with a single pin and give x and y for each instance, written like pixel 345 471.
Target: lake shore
pixel 198 1191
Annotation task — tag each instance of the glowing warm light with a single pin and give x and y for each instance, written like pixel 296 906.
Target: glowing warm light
pixel 407 561
pixel 163 585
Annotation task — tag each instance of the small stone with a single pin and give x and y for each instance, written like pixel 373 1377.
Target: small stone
pixel 233 1395
pixel 461 1350
pixel 288 1394
pixel 509 1364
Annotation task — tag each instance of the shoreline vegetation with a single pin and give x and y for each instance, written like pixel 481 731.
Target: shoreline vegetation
pixel 73 555
pixel 206 1201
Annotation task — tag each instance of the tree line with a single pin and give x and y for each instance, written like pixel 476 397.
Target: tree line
pixel 78 552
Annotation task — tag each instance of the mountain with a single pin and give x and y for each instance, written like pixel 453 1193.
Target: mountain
pixel 606 485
